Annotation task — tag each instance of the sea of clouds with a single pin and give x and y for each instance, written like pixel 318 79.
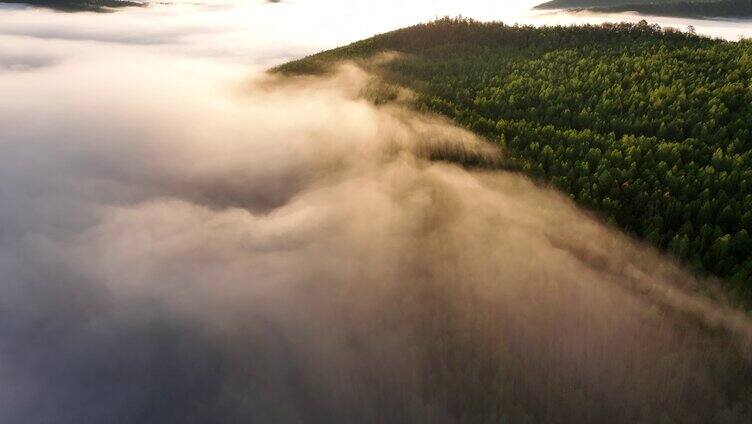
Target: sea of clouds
pixel 190 240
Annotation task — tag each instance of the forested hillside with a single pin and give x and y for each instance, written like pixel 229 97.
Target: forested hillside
pixel 683 8
pixel 652 128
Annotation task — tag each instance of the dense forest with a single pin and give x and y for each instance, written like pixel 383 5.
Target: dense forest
pixel 78 5
pixel 650 127
pixel 682 8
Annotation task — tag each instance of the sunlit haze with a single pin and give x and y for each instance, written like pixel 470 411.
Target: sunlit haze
pixel 185 237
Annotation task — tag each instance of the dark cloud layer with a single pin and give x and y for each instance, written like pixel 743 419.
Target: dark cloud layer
pixel 24 62
pixel 289 255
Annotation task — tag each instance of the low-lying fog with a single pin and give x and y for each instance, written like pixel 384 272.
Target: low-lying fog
pixel 185 239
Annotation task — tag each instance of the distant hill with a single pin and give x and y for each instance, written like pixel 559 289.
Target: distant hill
pixel 679 8
pixel 565 4
pixel 78 5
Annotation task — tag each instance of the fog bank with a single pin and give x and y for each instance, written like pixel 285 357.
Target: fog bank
pixel 185 249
